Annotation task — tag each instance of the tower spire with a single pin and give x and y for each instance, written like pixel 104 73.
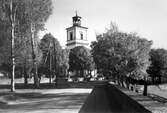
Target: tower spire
pixel 76 13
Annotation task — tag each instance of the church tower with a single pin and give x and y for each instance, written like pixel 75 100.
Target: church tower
pixel 76 34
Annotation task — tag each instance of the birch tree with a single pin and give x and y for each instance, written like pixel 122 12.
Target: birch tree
pixel 32 15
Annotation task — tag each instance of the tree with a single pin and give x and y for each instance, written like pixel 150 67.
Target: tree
pixel 121 55
pixel 5 50
pixel 157 69
pixel 22 50
pixel 55 59
pixel 51 51
pixel 10 11
pixel 62 63
pixel 23 55
pixel 37 12
pixel 80 59
pixel 30 15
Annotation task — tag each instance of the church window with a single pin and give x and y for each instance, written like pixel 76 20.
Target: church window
pixel 81 35
pixel 71 36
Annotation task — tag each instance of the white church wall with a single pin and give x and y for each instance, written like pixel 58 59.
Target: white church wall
pixel 78 31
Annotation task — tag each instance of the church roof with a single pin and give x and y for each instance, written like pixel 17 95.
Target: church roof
pixel 76 26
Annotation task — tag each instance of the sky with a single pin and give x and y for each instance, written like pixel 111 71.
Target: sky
pixel 148 18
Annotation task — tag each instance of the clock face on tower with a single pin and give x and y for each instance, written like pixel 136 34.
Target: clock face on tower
pixel 76 34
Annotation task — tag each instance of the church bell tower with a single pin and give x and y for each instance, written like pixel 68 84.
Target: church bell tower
pixel 76 34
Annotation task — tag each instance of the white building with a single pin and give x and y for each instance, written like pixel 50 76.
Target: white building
pixel 76 34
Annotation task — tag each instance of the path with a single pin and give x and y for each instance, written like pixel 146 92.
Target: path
pixel 108 99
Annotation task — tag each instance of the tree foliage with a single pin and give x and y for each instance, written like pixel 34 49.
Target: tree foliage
pixel 23 16
pixel 80 59
pixel 4 42
pixel 49 45
pixel 121 54
pixel 158 58
pixel 62 63
pixel 27 11
pixel 51 48
pixel 54 57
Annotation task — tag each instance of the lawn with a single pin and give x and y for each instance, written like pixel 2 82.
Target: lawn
pixel 48 98
pixel 44 100
pixel 160 90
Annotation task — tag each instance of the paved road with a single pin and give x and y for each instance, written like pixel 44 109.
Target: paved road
pixel 43 101
pixel 108 99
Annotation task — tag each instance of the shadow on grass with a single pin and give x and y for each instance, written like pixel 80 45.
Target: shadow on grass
pixel 36 101
pixel 90 84
pixel 29 86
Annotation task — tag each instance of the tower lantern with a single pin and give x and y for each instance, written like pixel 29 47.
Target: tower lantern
pixel 76 20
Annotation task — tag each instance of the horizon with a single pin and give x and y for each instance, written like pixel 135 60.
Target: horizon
pixel 146 18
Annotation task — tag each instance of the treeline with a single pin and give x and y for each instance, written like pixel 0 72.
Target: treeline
pixel 122 57
pixel 125 58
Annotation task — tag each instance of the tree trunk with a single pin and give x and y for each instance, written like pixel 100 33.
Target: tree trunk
pixel 36 79
pixel 50 66
pixel 159 79
pixel 116 79
pixel 134 87
pixel 82 72
pixel 25 79
pixel 12 19
pixel 121 80
pixel 153 80
pixel 126 82
pixel 145 87
pixel 25 75
pixel 119 83
pixel 13 62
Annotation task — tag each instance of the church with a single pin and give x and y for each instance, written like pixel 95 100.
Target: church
pixel 76 34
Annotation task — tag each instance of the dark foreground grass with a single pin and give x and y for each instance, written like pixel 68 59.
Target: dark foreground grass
pixel 43 101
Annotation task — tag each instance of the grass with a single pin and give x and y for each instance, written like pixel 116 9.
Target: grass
pixel 50 99
pixel 47 99
pixel 160 90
